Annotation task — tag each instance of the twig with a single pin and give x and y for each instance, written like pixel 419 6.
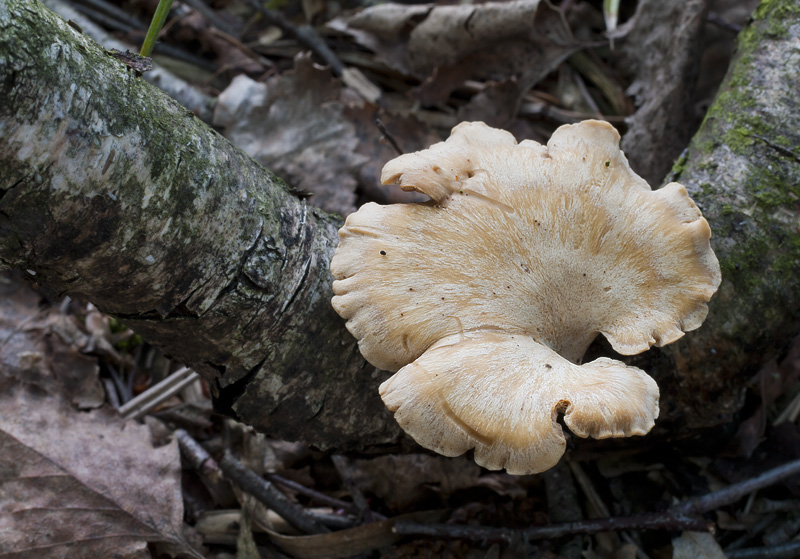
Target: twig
pixel 499 535
pixel 790 412
pixel 124 389
pixel 333 521
pixel 211 17
pixel 193 452
pixel 305 35
pixel 752 533
pixel 600 510
pixel 342 467
pixel 112 392
pixel 114 12
pixel 158 393
pixel 783 551
pixel 674 519
pixel 587 96
pixel 249 482
pixel 389 138
pixel 734 492
pixel 210 473
pixel 314 495
pixel 596 72
pixel 766 506
pixel 102 18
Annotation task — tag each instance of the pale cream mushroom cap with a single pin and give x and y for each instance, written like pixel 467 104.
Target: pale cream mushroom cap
pixel 552 243
pixel 502 394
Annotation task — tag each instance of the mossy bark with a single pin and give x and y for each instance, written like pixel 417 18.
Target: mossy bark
pixel 743 170
pixel 111 192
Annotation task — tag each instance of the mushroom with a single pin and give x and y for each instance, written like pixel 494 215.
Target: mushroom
pixel 484 299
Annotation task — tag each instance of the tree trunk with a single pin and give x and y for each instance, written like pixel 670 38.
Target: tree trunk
pixel 111 192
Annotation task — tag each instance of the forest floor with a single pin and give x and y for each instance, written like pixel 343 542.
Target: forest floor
pixel 350 87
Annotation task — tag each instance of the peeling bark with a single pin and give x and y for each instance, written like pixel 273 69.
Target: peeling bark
pixel 111 192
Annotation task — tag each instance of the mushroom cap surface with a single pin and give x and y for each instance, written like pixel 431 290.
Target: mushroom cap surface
pixel 549 244
pixel 502 394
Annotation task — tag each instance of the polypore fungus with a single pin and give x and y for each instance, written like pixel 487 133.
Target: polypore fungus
pixel 485 299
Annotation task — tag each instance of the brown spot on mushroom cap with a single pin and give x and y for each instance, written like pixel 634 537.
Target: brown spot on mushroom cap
pixel 602 253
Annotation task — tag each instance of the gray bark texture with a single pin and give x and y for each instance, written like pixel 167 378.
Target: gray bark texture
pixel 113 193
pixel 742 168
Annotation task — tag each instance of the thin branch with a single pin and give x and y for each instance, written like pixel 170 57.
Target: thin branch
pixel 114 12
pixel 679 517
pixel 314 495
pixel 782 551
pixel 343 468
pixel 194 453
pixel 158 393
pixel 250 482
pixel 212 17
pixel 499 535
pixel 734 492
pixel 305 35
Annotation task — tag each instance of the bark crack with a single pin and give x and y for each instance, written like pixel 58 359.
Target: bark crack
pixel 298 286
pixel 182 310
pixel 228 396
pixel 5 191
pixel 780 149
pixel 240 272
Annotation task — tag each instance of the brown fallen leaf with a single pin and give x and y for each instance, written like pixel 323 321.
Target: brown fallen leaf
pixel 770 383
pixel 448 44
pixel 40 344
pixel 351 541
pixel 696 545
pixel 83 485
pixel 293 124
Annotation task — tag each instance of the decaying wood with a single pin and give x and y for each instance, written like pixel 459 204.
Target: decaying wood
pixel 111 192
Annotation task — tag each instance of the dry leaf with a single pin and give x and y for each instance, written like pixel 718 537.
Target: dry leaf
pixel 696 545
pixel 399 134
pixel 666 64
pixel 229 54
pixel 351 541
pixel 41 345
pixel 293 125
pixel 82 485
pixel 769 384
pixel 496 105
pixel 494 40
